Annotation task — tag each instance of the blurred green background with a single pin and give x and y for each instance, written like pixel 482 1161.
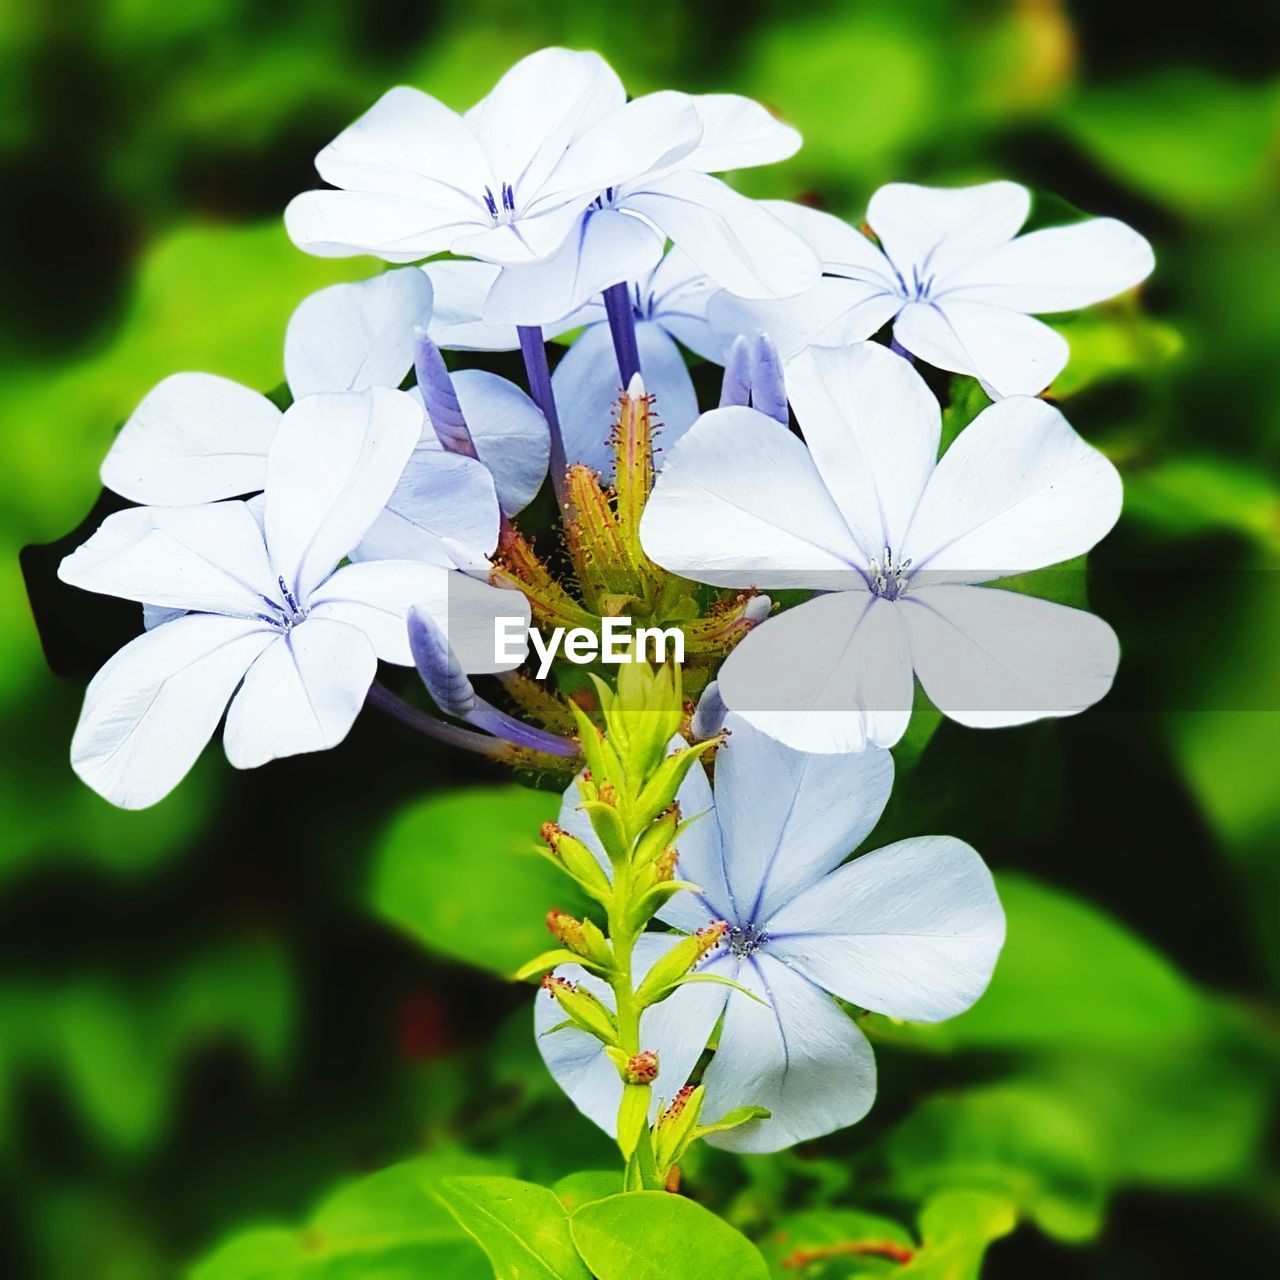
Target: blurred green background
pixel 215 1013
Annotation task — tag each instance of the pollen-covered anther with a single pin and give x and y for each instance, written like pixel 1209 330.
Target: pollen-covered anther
pixel 642 1067
pixel 664 865
pixel 677 1104
pixel 711 936
pixel 551 983
pixel 607 794
pixel 567 930
pixel 552 833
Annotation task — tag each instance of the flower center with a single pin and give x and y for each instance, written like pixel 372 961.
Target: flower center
pixel 502 208
pixel 286 612
pixel 888 577
pixel 746 939
pixel 605 199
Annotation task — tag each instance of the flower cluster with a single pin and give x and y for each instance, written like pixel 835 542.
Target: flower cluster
pixel 280 554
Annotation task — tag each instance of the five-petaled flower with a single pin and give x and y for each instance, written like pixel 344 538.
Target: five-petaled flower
pixel 911 930
pixel 896 541
pixel 960 289
pixel 556 168
pixel 247 604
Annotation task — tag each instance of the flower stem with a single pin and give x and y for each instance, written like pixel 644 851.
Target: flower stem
pixel 622 324
pixel 538 372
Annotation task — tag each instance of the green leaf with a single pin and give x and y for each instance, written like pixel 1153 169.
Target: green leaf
pixel 522 1227
pixel 652 1235
pixel 1106 988
pixel 1198 142
pixel 459 873
pixel 389 1225
pixel 1107 342
pixel 826 1244
pixel 955 1229
pixel 1021 1142
pixel 576 1189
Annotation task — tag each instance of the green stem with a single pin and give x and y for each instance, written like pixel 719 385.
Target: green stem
pixel 627 1007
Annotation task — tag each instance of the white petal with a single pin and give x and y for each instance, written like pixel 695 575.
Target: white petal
pixel 1058 269
pixel 509 432
pixel 334 463
pixel 797 1053
pixel 842 248
pixel 677 1030
pixel 587 386
pixel 930 231
pixel 829 675
pixel 1017 490
pixel 736 241
pixel 209 558
pixel 678 295
pixel 607 246
pixel 646 136
pixel 342 224
pixel 787 817
pixel 376 597
pixel 302 694
pixel 740 503
pixel 912 930
pixel 149 712
pixel 872 426
pixel 413 178
pixel 988 657
pixel 737 133
pixel 442 502
pixel 194 438
pixel 537 109
pixel 350 337
pixel 1011 353
pixel 457 315
pixel 832 313
pixel 411 146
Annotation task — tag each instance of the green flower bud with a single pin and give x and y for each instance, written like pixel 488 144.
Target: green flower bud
pixel 582 1008
pixel 665 975
pixel 577 860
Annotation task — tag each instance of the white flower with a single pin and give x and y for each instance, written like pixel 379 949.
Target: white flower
pixel 912 930
pixel 896 540
pixel 621 234
pixel 506 181
pixel 197 437
pixel 246 599
pixel 949 272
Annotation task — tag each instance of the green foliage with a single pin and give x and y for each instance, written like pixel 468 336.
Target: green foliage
pixel 391 1224
pixel 459 872
pixel 650 1235
pixel 522 1227
pixel 117 1049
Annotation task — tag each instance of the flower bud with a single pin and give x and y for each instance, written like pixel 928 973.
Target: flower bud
pixel 666 974
pixel 641 1068
pixel 658 835
pixel 582 937
pixel 674 1131
pixel 576 859
pixel 582 1008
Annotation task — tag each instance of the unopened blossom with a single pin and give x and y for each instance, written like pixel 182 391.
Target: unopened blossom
pixel 911 930
pixel 952 273
pixel 896 543
pixel 248 605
